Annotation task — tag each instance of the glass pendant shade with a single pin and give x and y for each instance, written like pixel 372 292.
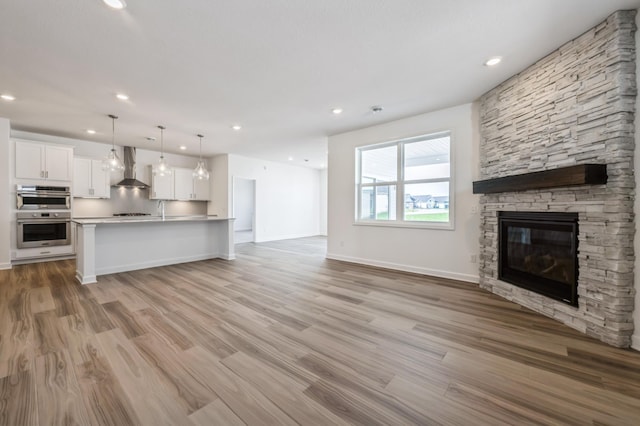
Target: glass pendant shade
pixel 162 167
pixel 112 163
pixel 201 172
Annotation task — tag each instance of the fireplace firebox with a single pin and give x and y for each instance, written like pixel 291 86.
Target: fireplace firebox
pixel 538 251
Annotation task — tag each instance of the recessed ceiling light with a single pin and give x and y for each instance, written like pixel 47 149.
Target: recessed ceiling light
pixel 91 131
pixel 290 158
pixel 7 97
pixel 116 4
pixel 493 61
pixel 236 127
pixel 336 111
pixel 182 147
pixel 122 97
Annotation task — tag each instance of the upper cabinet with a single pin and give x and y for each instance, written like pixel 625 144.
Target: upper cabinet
pixel 89 180
pixel 161 186
pixel 180 185
pixel 183 184
pixel 43 162
pixel 190 189
pixel 201 189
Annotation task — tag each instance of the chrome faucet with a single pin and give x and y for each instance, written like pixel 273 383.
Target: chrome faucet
pixel 161 208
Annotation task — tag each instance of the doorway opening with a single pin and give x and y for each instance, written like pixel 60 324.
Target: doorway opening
pixel 244 200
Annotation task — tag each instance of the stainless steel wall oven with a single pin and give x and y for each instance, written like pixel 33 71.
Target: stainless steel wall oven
pixel 38 197
pixel 43 229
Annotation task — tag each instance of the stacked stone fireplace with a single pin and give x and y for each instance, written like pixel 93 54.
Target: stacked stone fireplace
pixel 575 106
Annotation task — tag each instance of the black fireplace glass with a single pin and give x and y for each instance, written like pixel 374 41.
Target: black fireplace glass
pixel 538 251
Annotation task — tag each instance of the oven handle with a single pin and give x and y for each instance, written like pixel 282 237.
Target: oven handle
pixel 35 221
pixel 43 193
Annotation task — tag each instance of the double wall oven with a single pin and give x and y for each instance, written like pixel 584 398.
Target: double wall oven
pixel 43 218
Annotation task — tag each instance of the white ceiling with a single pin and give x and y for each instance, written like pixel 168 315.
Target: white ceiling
pixel 276 67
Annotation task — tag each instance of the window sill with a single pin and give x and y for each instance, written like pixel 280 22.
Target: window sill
pixel 414 225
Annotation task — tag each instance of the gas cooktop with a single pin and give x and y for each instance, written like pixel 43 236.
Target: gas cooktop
pixel 132 214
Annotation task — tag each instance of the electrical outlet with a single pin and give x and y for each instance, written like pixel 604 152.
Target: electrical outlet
pixel 474 209
pixel 473 258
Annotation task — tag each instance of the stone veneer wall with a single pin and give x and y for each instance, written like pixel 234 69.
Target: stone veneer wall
pixel 574 106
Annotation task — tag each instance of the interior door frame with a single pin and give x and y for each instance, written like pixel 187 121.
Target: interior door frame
pixel 254 184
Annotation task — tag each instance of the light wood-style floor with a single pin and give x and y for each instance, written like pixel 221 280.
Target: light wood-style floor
pixel 282 336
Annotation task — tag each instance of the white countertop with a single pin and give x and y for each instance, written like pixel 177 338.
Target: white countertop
pixel 145 219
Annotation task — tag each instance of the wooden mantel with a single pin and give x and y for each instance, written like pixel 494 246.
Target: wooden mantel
pixel 583 174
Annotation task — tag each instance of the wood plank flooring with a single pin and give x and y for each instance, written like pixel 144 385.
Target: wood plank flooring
pixel 283 336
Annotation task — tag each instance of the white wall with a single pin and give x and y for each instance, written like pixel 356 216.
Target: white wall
pixel 243 198
pixel 444 253
pixel 287 197
pixel 323 201
pixel 6 221
pixel 635 339
pixel 220 188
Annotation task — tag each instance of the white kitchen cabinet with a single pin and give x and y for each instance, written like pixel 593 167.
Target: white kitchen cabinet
pixel 183 183
pixel 29 161
pixel 41 252
pixel 189 189
pixel 43 162
pixel 89 180
pixel 201 189
pixel 162 187
pixel 58 163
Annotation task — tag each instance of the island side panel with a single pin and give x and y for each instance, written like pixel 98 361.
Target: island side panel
pixel 86 253
pixel 227 243
pixel 129 246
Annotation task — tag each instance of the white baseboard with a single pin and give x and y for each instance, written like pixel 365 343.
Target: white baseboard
pixel 89 279
pixel 5 266
pixel 407 268
pixel 635 340
pixel 284 237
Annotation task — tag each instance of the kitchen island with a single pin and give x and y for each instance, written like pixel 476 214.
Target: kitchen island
pixel 115 244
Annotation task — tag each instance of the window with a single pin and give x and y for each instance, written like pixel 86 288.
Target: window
pixel 406 182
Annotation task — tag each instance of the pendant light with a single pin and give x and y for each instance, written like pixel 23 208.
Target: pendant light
pixel 112 163
pixel 201 172
pixel 162 168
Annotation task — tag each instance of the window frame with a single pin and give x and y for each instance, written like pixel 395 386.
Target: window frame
pixel 400 184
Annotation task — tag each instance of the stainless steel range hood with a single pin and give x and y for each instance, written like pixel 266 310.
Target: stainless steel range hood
pixel 129 160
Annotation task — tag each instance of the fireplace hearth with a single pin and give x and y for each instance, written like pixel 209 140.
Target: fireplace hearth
pixel 538 251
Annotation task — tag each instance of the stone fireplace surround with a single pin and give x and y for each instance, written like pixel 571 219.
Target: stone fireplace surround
pixel 574 106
